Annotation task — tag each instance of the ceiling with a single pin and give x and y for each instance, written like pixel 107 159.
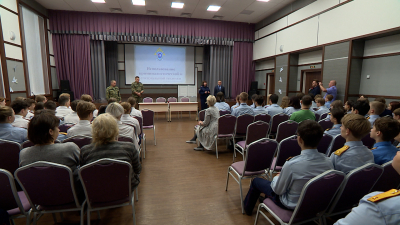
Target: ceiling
pixel 231 10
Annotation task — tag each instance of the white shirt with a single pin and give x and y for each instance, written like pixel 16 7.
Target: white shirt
pixel 62 111
pixel 20 122
pixel 29 115
pixel 127 119
pixel 71 118
pixel 83 127
pixel 136 112
pixel 95 113
pixel 126 130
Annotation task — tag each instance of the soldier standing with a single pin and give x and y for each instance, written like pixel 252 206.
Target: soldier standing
pixel 137 90
pixel 113 91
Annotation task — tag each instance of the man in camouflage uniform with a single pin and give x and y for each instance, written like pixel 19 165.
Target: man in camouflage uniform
pixel 113 91
pixel 137 90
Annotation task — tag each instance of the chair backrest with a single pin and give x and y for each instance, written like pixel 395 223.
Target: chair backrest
pixel 160 99
pixel 125 139
pixel 140 120
pixel 317 116
pixel 357 183
pixel 9 155
pixel 202 114
pixel 148 117
pixel 226 124
pixel 324 144
pixel 172 99
pixel 185 99
pixel 242 122
pixel 368 141
pixel 9 195
pixel 325 124
pixel 263 117
pixel 147 100
pixel 337 143
pixel 256 131
pixel 260 154
pixel 27 144
pixel 276 120
pixel 64 127
pixel 286 129
pixel 106 181
pixel 389 179
pixel 223 112
pixel 323 116
pixel 80 140
pixel 288 147
pixel 316 195
pixel 47 184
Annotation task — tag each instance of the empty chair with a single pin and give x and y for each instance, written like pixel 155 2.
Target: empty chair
pixel 172 99
pixel 259 156
pixel 241 124
pixel 263 117
pixel 324 144
pixel 368 141
pixel 148 122
pixel 287 148
pixel 64 127
pixel 224 112
pixel 275 121
pixel 337 143
pixel 185 99
pixel 49 188
pixel 315 197
pixel 160 99
pixel 9 155
pixel 107 184
pixel 80 140
pixel 389 179
pixel 286 129
pixel 325 124
pixel 202 114
pixel 356 184
pixel 14 202
pixel 323 116
pixel 226 129
pixel 255 131
pixel 147 100
pixel 317 116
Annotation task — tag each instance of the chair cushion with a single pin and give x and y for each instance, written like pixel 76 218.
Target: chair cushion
pixel 278 168
pixel 24 202
pixel 148 127
pixel 241 144
pixel 224 135
pixel 238 166
pixel 283 214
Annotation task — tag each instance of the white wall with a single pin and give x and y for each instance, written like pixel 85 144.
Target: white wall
pixel 383 45
pixel 10 23
pixel 266 64
pixel 310 57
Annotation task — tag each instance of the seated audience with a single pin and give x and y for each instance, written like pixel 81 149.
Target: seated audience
pixel 237 103
pixel 285 102
pixel 348 106
pixel 336 118
pixel 111 100
pixel 373 209
pixel 253 99
pixel 394 105
pixel 50 105
pixel 104 145
pixel 38 106
pixel 85 114
pixel 2 101
pixel 335 104
pixel 63 109
pixel 375 109
pixel 328 100
pixel 102 109
pixel 386 112
pixel 267 102
pixel 40 98
pixel 8 131
pixel 31 108
pixel 313 103
pixel 300 95
pixel 62 136
pixel 134 111
pixel 353 154
pixel 294 106
pixel 88 98
pixel 396 114
pixel 127 119
pixel 221 104
pixel 72 117
pixel 286 187
pixel 305 113
pixel 206 130
pixel 259 109
pixel 243 108
pixel 384 130
pixel 20 108
pixel 274 108
pixel 322 109
pixel 361 107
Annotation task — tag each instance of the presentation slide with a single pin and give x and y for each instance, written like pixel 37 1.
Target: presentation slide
pixel 159 64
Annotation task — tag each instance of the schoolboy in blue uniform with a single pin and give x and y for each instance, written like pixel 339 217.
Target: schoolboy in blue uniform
pixel 336 118
pixel 383 131
pixel 375 109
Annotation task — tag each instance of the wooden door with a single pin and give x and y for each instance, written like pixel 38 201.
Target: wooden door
pixel 270 83
pixel 310 76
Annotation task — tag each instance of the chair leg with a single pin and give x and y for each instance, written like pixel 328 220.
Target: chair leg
pixel 83 213
pixel 88 217
pixel 34 218
pixel 227 179
pixel 154 131
pixel 216 147
pixel 137 194
pixel 241 194
pixel 258 211
pixel 133 211
pixel 12 222
pixel 54 217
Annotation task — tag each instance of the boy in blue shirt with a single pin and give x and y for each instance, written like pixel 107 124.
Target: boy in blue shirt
pixel 383 131
pixel 328 101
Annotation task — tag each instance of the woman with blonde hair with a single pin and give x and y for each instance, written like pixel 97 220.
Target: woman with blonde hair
pixel 105 145
pixel 207 129
pixel 285 102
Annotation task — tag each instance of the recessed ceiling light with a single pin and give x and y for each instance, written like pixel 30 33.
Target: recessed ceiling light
pixel 98 1
pixel 138 2
pixel 263 0
pixel 213 8
pixel 178 5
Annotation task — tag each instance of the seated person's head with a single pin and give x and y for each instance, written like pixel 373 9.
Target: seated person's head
pixel 380 99
pixel 85 110
pixel 211 100
pixel 111 100
pixel 360 107
pixel 285 102
pixel 221 97
pixel 273 99
pixel 102 109
pixel 20 98
pixel 394 105
pixel 362 98
pixel 385 129
pixel 320 102
pixel 132 101
pixel 349 105
pixel 253 97
pixel 300 95
pixel 317 96
pixel 243 97
pixel 104 129
pixel 38 106
pixel 74 104
pixel 64 100
pixel 127 107
pixel 309 134
pixel 294 102
pixel 355 126
pixel 337 104
pixel 259 100
pixel 31 104
pixel 328 98
pixel 40 98
pixel 376 108
pixel 115 109
pixel 396 114
pixel 238 99
pixel 6 114
pixel 20 107
pixel 50 105
pixel 2 101
pixel 336 115
pixel 43 128
pixel 86 98
pixel 306 101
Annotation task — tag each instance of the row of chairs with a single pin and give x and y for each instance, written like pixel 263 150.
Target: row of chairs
pixel 162 99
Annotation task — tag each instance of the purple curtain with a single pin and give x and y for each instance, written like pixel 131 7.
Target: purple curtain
pixel 144 28
pixel 72 56
pixel 243 71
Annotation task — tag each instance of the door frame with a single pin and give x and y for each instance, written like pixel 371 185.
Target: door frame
pixel 267 84
pixel 305 71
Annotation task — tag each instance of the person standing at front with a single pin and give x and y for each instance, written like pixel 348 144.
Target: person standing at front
pixel 113 91
pixel 137 90
pixel 204 92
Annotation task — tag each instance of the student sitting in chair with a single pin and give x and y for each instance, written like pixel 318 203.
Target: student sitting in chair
pixel 383 131
pixel 375 109
pixel 336 118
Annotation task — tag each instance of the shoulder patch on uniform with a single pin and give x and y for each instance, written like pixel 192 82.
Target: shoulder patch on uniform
pixel 329 113
pixel 368 118
pixel 374 148
pixel 63 133
pixel 341 150
pixel 289 158
pixel 398 147
pixel 384 195
pixel 328 129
